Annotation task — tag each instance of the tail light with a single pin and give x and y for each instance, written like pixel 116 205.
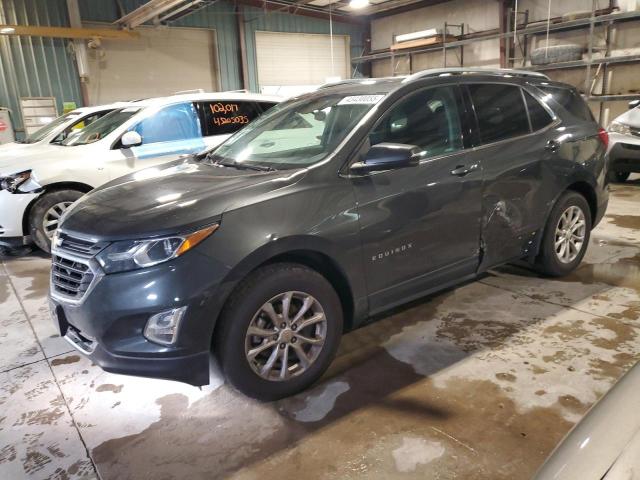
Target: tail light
pixel 604 137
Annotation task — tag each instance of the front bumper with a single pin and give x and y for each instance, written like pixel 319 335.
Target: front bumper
pixel 624 153
pixel 12 209
pixel 107 324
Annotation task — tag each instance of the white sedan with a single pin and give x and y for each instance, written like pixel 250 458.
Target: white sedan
pixel 38 185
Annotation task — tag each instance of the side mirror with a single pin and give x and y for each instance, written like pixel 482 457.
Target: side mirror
pixel 131 139
pixel 633 104
pixel 388 156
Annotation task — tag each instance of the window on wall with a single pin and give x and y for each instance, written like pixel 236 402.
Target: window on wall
pixel 500 111
pixel 170 124
pixel 428 119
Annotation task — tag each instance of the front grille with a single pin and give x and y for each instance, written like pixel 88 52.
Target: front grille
pixel 71 271
pixel 78 246
pixel 69 277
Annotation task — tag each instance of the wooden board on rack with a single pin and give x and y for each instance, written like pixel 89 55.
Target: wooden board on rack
pixel 422 42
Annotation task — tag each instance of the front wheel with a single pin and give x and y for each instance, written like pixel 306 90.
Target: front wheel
pixel 45 215
pixel 566 236
pixel 279 331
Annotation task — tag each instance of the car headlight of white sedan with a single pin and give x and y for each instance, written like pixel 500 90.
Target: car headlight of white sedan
pixel 621 128
pixel 20 182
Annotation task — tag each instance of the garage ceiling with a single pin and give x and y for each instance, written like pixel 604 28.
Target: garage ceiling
pixel 163 11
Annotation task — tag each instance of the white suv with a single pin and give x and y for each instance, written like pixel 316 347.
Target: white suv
pixel 59 129
pixel 36 187
pixel 624 143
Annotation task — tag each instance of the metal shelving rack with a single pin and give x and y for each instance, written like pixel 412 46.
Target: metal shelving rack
pixel 595 19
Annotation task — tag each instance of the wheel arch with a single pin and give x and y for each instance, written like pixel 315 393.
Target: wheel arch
pixel 313 253
pixel 52 187
pixel 589 193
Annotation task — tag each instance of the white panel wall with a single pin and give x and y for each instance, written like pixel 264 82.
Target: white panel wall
pixel 300 58
pixel 162 61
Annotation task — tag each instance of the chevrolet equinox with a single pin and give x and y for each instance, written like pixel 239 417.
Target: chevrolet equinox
pixel 331 207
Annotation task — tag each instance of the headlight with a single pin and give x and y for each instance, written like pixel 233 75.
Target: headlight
pixel 133 254
pixel 11 183
pixel 619 128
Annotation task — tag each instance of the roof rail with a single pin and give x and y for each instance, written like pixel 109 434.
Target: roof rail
pixel 351 81
pixel 436 72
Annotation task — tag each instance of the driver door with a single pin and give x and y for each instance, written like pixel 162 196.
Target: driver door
pixel 167 134
pixel 420 226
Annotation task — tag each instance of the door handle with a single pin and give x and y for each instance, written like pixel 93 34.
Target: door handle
pixel 462 170
pixel 552 145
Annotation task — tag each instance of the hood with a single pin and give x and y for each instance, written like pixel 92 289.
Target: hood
pixel 19 159
pixel 169 199
pixel 14 146
pixel 630 117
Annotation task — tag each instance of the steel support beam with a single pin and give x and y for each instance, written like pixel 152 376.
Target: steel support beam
pixel 66 32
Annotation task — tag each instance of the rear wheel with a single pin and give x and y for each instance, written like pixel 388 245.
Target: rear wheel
pixel 566 235
pixel 45 214
pixel 279 331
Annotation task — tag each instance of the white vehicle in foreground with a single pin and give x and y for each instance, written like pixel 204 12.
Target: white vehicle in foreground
pixel 60 128
pixel 37 186
pixel 624 143
pixel 605 445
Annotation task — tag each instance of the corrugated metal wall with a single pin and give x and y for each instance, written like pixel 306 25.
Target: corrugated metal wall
pixel 36 66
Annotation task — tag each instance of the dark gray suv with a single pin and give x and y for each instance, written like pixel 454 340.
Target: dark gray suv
pixel 332 207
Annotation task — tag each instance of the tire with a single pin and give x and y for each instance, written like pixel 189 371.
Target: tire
pixel 549 261
pixel 49 204
pixel 556 53
pixel 245 308
pixel 620 177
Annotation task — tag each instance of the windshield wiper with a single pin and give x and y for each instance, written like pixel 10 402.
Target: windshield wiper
pixel 244 166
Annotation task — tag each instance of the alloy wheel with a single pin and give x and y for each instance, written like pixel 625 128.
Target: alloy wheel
pixel 285 336
pixel 570 234
pixel 52 216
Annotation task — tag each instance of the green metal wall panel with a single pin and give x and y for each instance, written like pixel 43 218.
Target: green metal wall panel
pixel 36 66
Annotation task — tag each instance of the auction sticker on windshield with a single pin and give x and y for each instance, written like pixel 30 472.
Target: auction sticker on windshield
pixel 361 100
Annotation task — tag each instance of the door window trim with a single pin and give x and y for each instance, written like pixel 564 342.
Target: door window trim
pixel 554 123
pixel 462 117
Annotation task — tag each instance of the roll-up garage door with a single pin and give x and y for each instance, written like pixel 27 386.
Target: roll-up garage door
pixel 162 61
pixel 300 58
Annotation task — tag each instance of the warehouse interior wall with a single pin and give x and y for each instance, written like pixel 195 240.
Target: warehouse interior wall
pixel 480 15
pixel 36 66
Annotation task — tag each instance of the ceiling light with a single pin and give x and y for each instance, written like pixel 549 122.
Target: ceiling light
pixel 358 3
pixel 7 30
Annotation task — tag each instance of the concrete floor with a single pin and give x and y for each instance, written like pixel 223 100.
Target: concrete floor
pixel 477 382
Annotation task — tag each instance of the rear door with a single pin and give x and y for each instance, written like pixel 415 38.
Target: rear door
pixel 420 225
pixel 512 147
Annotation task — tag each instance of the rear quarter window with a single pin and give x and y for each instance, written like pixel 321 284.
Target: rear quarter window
pixel 538 115
pixel 569 99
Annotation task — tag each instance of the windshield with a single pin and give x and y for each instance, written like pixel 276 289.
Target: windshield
pixel 101 128
pixel 50 127
pixel 297 133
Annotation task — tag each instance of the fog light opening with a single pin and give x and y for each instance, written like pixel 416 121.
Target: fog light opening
pixel 163 327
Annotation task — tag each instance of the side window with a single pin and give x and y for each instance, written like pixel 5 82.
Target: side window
pixel 169 124
pixel 76 127
pixel 570 100
pixel 223 118
pixel 539 117
pixel 500 111
pixel 429 119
